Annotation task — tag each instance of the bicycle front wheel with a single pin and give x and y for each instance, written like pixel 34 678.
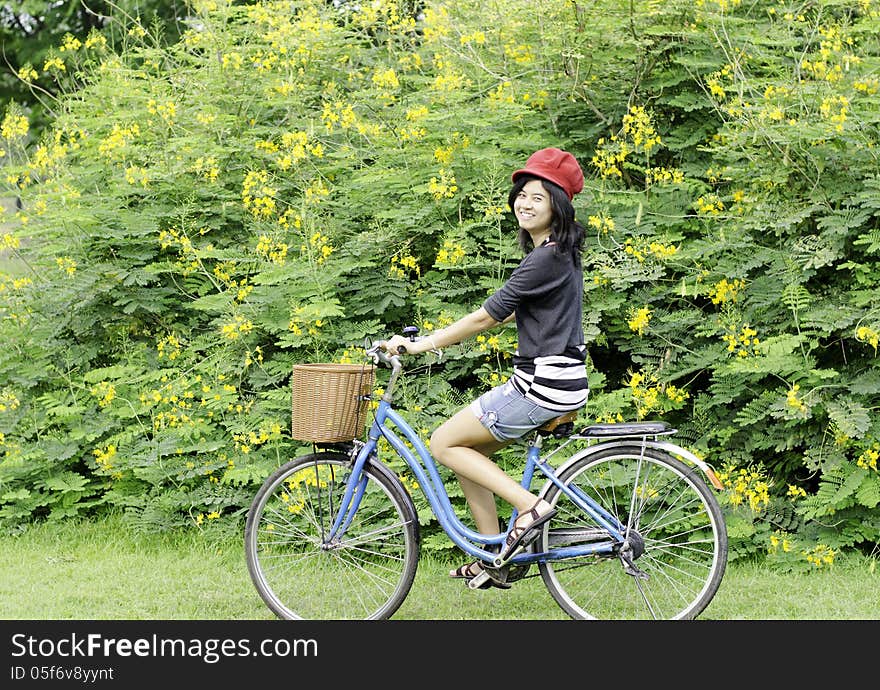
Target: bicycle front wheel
pixel 300 573
pixel 677 548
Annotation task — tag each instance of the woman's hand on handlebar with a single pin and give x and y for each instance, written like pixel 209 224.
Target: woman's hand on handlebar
pixel 402 345
pixel 394 344
pixel 409 344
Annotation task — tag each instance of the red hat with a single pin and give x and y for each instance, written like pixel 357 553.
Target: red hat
pixel 557 166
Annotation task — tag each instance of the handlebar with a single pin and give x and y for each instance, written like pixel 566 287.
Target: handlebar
pixel 377 353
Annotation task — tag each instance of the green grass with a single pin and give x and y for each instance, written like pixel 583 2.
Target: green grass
pixel 100 570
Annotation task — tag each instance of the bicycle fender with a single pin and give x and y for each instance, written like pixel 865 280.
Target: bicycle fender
pixel 686 455
pixel 666 446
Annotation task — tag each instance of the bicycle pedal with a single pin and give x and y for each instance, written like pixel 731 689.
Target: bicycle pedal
pixel 479 580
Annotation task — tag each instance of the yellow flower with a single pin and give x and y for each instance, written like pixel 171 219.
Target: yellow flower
pixel 794 401
pixel 602 223
pixel 9 242
pixel 869 336
pixel 54 63
pixel 14 126
pixel 445 187
pixel 66 264
pixel 795 492
pixel 869 457
pixel 639 319
pixel 638 127
pixel 104 457
pixel 28 74
pixel 820 555
pixel 726 291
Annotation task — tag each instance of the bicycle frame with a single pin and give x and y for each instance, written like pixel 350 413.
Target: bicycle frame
pixel 431 483
pixel 632 507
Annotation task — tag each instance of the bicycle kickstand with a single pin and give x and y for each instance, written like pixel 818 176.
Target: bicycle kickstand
pixel 630 568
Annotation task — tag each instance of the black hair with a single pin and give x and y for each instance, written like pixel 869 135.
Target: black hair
pixel 565 231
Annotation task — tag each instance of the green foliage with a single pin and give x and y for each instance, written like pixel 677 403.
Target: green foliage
pixel 35 32
pixel 183 243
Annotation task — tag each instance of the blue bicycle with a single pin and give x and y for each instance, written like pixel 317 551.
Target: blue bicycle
pixel 638 532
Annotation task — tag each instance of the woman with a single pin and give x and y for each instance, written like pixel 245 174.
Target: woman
pixel 544 294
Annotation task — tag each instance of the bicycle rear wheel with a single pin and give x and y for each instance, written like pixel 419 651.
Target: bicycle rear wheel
pixel 678 536
pixel 300 573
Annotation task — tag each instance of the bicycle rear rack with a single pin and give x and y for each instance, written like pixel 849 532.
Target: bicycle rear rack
pixel 625 430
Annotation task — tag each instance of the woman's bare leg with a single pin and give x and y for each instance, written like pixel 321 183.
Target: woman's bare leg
pixel 462 443
pixel 481 502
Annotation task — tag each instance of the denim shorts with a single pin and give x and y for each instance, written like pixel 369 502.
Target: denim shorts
pixel 508 414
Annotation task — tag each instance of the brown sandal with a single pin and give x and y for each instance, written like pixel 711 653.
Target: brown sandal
pixel 525 535
pixel 469 571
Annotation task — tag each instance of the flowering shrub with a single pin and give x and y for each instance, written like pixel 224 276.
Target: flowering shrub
pixel 181 243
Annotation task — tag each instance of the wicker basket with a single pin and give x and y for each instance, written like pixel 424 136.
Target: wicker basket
pixel 327 401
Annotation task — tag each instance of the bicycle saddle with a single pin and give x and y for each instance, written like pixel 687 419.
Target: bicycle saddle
pixel 561 426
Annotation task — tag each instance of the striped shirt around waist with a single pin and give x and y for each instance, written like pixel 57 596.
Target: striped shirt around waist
pixel 557 382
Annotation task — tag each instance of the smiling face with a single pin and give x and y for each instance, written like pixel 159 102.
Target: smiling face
pixel 533 210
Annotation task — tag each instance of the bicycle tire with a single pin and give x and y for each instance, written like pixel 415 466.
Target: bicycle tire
pixel 678 519
pixel 367 574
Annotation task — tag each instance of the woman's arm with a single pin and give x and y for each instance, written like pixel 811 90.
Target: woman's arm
pixel 467 326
